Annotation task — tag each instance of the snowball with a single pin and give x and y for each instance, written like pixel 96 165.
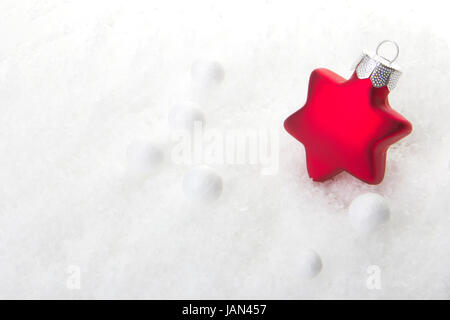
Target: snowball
pixel 207 73
pixel 310 264
pixel 144 158
pixel 368 211
pixel 202 184
pixel 183 116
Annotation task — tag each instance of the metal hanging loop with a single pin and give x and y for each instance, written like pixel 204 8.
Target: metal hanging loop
pixel 396 48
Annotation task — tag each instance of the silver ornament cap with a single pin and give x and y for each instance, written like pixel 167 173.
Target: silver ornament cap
pixel 381 71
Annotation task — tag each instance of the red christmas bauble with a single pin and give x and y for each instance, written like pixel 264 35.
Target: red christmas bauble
pixel 348 125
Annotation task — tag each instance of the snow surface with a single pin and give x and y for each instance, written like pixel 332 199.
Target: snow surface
pixel 80 80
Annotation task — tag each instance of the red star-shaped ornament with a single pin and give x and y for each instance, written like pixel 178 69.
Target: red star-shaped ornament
pixel 348 125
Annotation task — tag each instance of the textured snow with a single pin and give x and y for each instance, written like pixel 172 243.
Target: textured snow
pixel 81 80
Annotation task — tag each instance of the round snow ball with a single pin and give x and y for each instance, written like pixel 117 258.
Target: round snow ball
pixel 368 211
pixel 186 116
pixel 310 264
pixel 207 72
pixel 202 184
pixel 144 157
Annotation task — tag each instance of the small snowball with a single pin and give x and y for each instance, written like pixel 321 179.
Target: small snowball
pixel 310 264
pixel 202 184
pixel 368 211
pixel 183 116
pixel 207 73
pixel 144 158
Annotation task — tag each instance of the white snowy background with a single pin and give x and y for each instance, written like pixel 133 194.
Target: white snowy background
pixel 79 80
